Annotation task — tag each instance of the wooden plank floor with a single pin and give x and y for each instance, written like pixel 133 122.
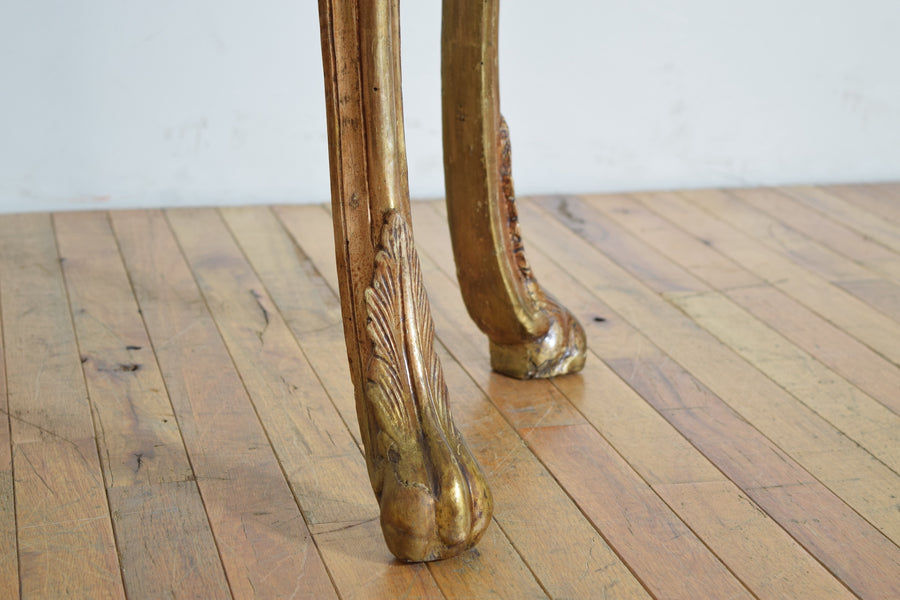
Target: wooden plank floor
pixel 180 419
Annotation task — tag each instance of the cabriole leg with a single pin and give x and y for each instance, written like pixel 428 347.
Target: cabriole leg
pixel 433 497
pixel 531 334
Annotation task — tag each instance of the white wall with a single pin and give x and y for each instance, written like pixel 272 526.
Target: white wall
pixel 113 103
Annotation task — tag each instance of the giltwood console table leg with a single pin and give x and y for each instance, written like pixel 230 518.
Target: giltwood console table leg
pixel 531 335
pixel 433 497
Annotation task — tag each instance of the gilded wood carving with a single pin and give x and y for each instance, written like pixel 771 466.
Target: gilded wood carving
pixel 432 494
pixel 562 347
pixel 531 334
pixel 433 497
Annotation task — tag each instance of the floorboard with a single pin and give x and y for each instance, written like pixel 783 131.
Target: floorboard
pixel 9 554
pixel 181 422
pixel 263 541
pixel 162 530
pixel 63 524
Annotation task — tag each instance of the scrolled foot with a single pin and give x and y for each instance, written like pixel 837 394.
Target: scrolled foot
pixel 434 500
pixel 562 348
pixel 560 351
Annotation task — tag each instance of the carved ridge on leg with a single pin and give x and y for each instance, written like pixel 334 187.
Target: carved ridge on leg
pixel 433 497
pixel 531 334
pixel 432 494
pixel 508 195
pixel 563 347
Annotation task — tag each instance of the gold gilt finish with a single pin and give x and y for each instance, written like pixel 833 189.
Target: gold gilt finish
pixel 434 501
pixel 433 497
pixel 531 334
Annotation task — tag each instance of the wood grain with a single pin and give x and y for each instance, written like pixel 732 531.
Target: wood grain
pixel 300 422
pixel 753 545
pixel 831 204
pixel 9 555
pixel 820 338
pixel 497 565
pixel 302 296
pixel 633 518
pixel 867 285
pixel 725 517
pixel 815 517
pixel 672 465
pixel 155 503
pixel 139 437
pixel 830 396
pixel 834 304
pixel 364 569
pixel 262 539
pixel 514 400
pixel 317 268
pixel 164 541
pixel 492 570
pixel 549 533
pixel 771 233
pixel 802 433
pixel 819 227
pixel 659 453
pixel 181 420
pixel 65 537
pixel 567 555
pixel 743 389
pixel 843 353
pixel 880 199
pixel 323 463
pixel 877 293
pixel 868 325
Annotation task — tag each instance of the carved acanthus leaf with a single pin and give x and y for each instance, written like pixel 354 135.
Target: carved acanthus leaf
pixel 404 365
pixel 432 493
